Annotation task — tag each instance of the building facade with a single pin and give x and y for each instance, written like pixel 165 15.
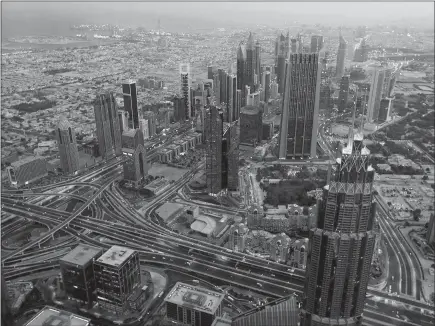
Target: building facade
pixel 316 43
pixel 344 93
pixel 299 119
pixel 384 110
pixel 341 56
pixel 151 117
pixel 68 152
pixel 185 89
pixel 136 168
pixel 213 134
pixel 129 93
pixel 237 238
pixel 375 95
pixel 108 126
pixel 341 247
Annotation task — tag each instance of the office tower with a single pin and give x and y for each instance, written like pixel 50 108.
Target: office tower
pixel 265 82
pixel 238 105
pixel 316 43
pixel 210 72
pixel 232 98
pixel 7 318
pixel 257 62
pixel 361 51
pixel 384 110
pixel 185 89
pixel 223 96
pixel 274 90
pixel 193 305
pixel 230 157
pixel 341 56
pixel 27 170
pixel 77 269
pixel 280 73
pixel 241 70
pixel 237 238
pixel 107 121
pixel 213 134
pixel 375 94
pixel 129 93
pixel 281 52
pixel 68 152
pixel 283 311
pixel 251 125
pixel 123 120
pixel 294 45
pixel 152 125
pixel 250 63
pixel 253 99
pixel 144 127
pixel 179 110
pixel 341 246
pixel 325 102
pixel 117 274
pixel 52 316
pixel 199 117
pixel 299 119
pixel 344 93
pixel 268 130
pixel 135 169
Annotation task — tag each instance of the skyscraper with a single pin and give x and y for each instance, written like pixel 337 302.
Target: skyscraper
pixel 68 152
pixel 185 88
pixel 341 56
pixel 151 117
pixel 130 102
pixel 123 120
pixel 257 63
pixel 341 247
pixel 251 125
pixel 361 51
pixel 107 121
pixel 384 110
pixel 344 93
pixel 265 82
pixel 316 43
pixel 282 52
pixel 299 119
pixel 210 72
pixel 135 169
pixel 232 98
pixel 213 131
pixel 375 94
pixel 241 70
pixel 250 63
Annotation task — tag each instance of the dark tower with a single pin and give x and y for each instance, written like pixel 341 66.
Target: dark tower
pixel 68 152
pixel 130 102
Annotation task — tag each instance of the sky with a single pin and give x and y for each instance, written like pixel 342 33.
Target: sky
pixel 22 18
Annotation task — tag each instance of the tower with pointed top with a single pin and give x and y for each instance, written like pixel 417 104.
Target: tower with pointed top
pixel 68 152
pixel 341 56
pixel 282 52
pixel 341 246
pixel 250 62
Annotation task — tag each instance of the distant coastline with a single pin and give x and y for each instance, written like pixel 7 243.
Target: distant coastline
pixel 8 47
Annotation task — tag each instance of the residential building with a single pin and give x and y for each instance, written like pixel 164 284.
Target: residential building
pixel 251 125
pixel 341 247
pixel 185 89
pixel 341 57
pixel 299 119
pixel 129 93
pixel 384 110
pixel 344 93
pixel 237 239
pixel 68 152
pixel 193 305
pixel 117 274
pixel 107 123
pixel 77 269
pixel 279 248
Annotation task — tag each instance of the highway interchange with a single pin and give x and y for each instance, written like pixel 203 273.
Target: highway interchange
pixel 97 191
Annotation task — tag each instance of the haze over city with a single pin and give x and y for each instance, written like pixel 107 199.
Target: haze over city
pixel 217 164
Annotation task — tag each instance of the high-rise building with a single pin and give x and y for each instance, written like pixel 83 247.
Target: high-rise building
pixel 341 57
pixel 430 234
pixel 77 269
pixel 237 238
pixel 144 127
pixel 152 123
pixel 193 305
pixel 294 45
pixel 53 316
pixel 241 70
pixel 279 248
pixel 265 82
pixel 123 120
pixel 179 110
pixel 213 134
pixel 230 157
pixel 361 51
pixel 299 119
pixel 344 93
pixel 341 247
pixel 223 91
pixel 375 94
pixel 107 122
pixel 384 110
pixel 68 152
pixel 117 275
pixel 232 109
pixel 257 63
pixel 129 93
pixel 281 53
pixel 283 311
pixel 253 99
pixel 135 169
pixel 210 72
pixel 316 43
pixel 185 89
pixel 251 125
pixel 250 62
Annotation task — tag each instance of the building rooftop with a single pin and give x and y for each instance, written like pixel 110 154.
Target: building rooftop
pixel 82 254
pixel 195 297
pixel 116 256
pixel 250 109
pixel 54 317
pixel 129 132
pixel 25 160
pixel 167 210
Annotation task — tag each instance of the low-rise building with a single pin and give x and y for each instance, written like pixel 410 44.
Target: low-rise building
pixel 51 316
pixel 27 170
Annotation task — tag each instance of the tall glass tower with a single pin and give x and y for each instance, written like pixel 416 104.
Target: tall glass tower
pixel 341 246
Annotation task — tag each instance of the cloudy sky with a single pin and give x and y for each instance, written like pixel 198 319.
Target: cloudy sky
pixel 45 17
